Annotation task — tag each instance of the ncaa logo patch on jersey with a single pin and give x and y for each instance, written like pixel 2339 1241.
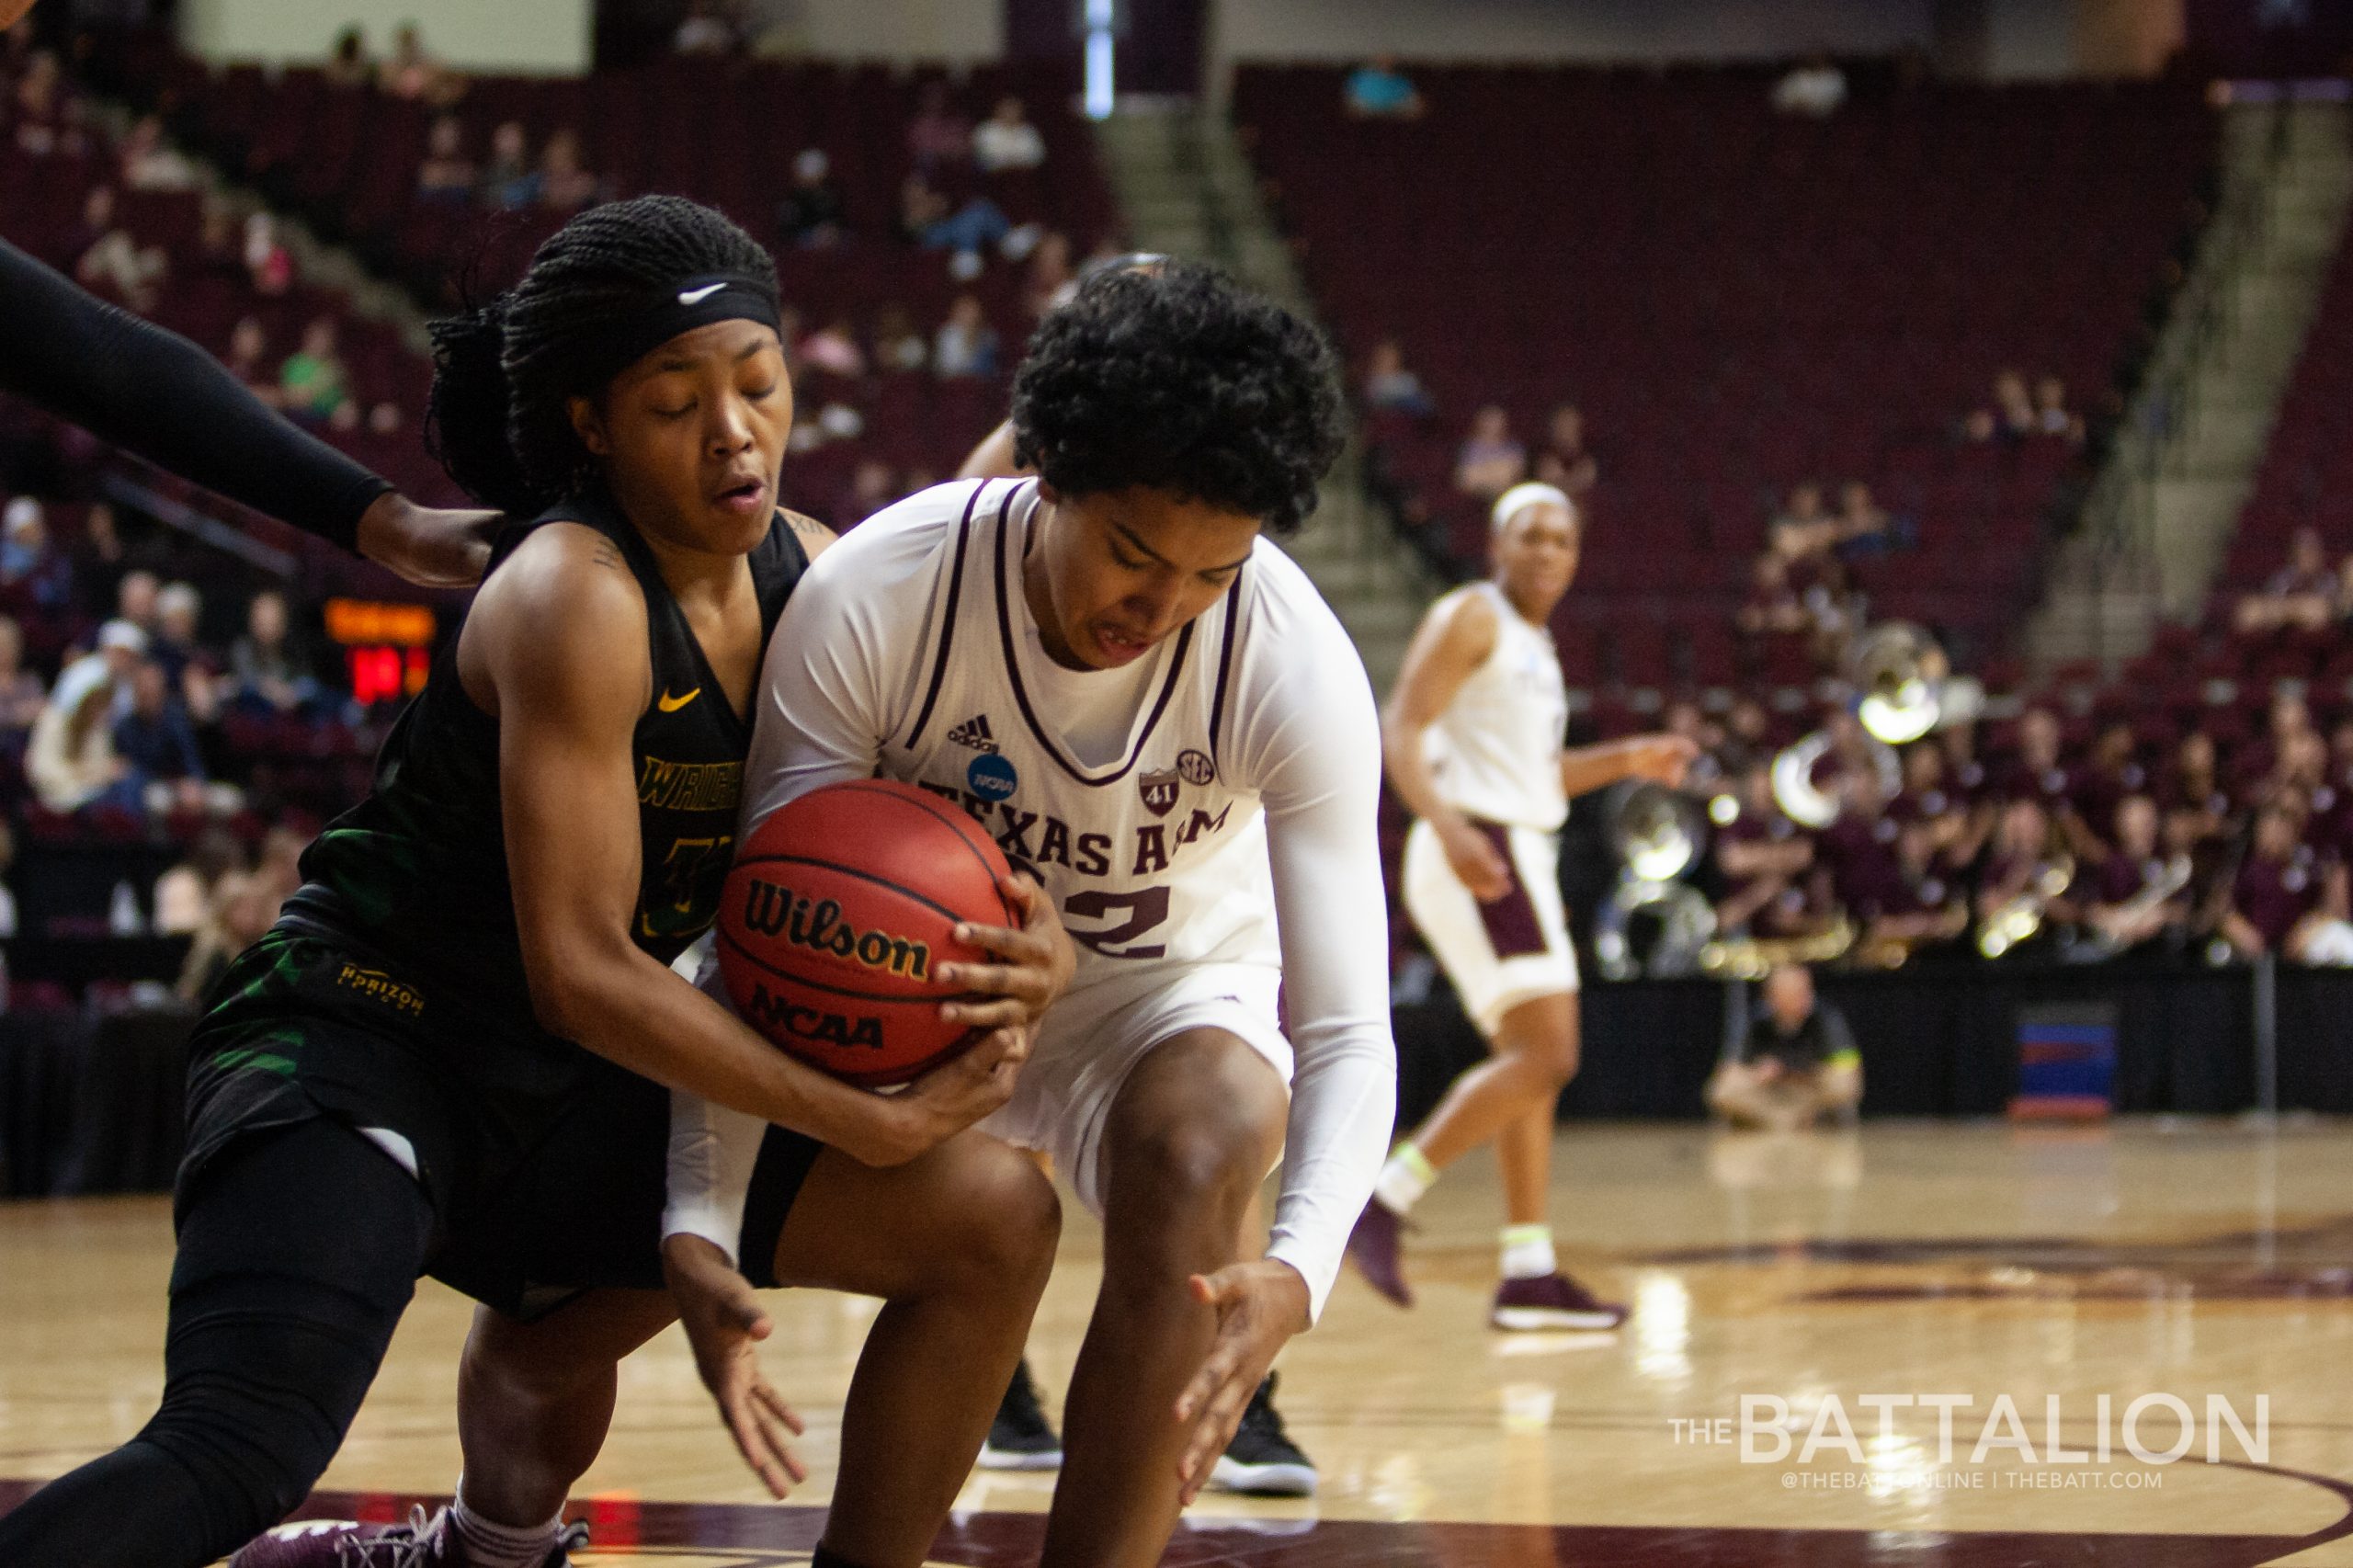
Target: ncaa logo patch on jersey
pixel 992 777
pixel 1159 791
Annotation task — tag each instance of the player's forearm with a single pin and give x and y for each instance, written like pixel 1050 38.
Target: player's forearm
pixel 1344 1104
pixel 1586 768
pixel 1409 771
pixel 629 1007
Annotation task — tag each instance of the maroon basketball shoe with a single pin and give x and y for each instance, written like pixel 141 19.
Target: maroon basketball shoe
pixel 1375 1246
pixel 423 1542
pixel 1554 1301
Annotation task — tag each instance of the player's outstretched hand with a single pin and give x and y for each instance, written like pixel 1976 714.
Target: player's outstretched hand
pixel 1476 860
pixel 1663 759
pixel 725 1322
pixel 1259 1306
pixel 1038 960
pixel 432 549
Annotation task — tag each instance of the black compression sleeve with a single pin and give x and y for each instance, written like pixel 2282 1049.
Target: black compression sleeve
pixel 154 393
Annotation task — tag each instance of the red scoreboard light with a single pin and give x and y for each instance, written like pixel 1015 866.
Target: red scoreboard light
pixel 387 648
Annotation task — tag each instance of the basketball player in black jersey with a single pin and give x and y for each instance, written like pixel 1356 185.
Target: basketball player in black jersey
pixel 452 1055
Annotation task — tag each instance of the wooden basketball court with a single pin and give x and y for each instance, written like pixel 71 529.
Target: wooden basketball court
pixel 1873 1272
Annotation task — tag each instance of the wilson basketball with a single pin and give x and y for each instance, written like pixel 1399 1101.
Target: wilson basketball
pixel 838 915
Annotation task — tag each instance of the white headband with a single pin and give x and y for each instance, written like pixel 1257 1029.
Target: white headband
pixel 1519 497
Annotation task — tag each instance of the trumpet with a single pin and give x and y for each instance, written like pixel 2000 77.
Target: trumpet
pixel 2016 919
pixel 2103 942
pixel 1752 958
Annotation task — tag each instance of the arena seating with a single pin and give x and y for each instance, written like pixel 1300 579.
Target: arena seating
pixel 2307 476
pixel 1740 300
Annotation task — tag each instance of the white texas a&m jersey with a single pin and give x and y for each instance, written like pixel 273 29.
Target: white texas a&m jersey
pixel 1157 854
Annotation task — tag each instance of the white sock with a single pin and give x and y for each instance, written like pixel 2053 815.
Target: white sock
pixel 492 1545
pixel 1528 1252
pixel 1403 1179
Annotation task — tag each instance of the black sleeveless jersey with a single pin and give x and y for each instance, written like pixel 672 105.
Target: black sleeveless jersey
pixel 415 874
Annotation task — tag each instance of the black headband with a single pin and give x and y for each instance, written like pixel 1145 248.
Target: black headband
pixel 691 302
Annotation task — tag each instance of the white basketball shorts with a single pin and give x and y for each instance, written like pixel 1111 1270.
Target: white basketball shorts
pixel 1500 954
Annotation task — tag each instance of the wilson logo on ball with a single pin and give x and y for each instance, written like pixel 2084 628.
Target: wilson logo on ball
pixel 817 925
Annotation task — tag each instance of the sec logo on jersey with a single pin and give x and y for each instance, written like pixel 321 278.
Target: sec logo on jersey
pixel 992 777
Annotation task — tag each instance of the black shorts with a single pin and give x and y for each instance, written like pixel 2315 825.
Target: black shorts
pixel 545 1165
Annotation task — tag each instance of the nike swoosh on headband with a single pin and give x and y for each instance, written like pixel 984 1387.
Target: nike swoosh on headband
pixel 697 296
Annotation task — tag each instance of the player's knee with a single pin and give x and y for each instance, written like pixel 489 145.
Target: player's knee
pixel 1198 1164
pixel 1015 1222
pixel 1558 1062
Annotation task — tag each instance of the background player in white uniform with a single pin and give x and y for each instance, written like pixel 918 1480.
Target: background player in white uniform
pixel 1473 734
pixel 1152 711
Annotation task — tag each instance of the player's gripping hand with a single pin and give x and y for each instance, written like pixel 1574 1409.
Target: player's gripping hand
pixel 432 549
pixel 1259 1306
pixel 1474 858
pixel 725 1322
pixel 1038 960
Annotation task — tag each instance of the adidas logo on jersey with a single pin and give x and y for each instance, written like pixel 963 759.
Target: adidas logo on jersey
pixel 975 732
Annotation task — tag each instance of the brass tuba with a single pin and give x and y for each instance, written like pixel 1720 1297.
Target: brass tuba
pixel 1657 836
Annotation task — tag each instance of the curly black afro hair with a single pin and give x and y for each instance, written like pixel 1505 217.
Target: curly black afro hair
pixel 1175 379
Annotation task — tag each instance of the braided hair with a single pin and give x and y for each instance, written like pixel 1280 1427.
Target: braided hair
pixel 504 371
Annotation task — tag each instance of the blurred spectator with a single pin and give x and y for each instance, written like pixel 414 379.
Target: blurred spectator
pixel 1794 1063
pixel 2121 908
pixel 266 676
pixel 832 348
pixel 188 667
pixel 510 184
pixel 704 31
pixel 926 219
pixel 34 571
pixel 1380 91
pixel 1389 386
pixel 219 250
pixel 1564 459
pixel 157 743
pixel 965 344
pixel 136 602
pixel 1904 898
pixel 813 212
pixel 937 136
pixel 182 899
pixel 2012 416
pixel 898 344
pixel 71 761
pixel 1802 531
pixel 564 185
pixel 347 64
pixel 446 175
pixel 2281 895
pixel 248 358
pixel 312 383
pixel 241 912
pixel 1006 140
pixel 2052 416
pixel 1816 88
pixel 45 121
pixel 1048 276
pixel 1491 461
pixel 872 486
pixel 148 164
pixel 2028 852
pixel 114 263
pixel 97 562
pixel 7 898
pixel 22 693
pixel 1761 855
pixel 1864 526
pixel 411 73
pixel 2301 594
pixel 268 264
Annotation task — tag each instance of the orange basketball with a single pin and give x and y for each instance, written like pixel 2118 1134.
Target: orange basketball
pixel 839 912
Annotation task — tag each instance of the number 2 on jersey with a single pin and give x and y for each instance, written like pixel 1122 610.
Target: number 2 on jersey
pixel 1145 910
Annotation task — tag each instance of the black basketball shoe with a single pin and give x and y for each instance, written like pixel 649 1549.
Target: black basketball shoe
pixel 1262 1461
pixel 1021 1437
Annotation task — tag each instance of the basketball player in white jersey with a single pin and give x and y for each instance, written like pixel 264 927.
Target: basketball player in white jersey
pixel 1473 736
pixel 1153 712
